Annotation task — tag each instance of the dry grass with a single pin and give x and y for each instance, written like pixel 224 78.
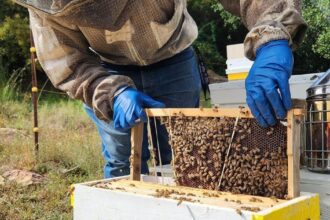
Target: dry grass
pixel 67 139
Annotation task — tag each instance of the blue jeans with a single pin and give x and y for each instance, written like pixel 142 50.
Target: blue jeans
pixel 175 82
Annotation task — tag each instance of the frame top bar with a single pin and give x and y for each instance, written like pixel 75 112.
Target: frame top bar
pixel 206 112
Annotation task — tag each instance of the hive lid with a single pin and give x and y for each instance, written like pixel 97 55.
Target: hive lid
pixel 320 86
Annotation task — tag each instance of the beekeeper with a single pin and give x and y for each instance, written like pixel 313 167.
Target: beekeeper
pixel 120 56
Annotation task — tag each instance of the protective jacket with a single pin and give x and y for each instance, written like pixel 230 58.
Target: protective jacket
pixel 73 36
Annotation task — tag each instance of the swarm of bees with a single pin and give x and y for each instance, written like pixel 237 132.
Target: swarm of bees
pixel 256 163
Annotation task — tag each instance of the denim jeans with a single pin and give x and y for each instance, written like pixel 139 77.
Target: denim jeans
pixel 175 82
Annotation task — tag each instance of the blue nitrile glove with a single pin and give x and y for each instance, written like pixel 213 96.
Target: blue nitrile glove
pixel 267 85
pixel 128 108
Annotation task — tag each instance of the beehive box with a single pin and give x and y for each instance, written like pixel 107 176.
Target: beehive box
pixel 238 66
pixel 148 199
pixel 192 196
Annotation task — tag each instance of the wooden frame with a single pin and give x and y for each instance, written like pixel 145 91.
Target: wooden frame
pixel 136 151
pixel 293 152
pixel 294 119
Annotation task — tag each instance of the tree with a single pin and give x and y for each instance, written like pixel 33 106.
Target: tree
pixel 314 53
pixel 14 38
pixel 218 28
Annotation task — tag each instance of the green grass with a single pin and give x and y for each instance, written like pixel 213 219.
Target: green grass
pixel 67 139
pixel 205 101
pixel 10 89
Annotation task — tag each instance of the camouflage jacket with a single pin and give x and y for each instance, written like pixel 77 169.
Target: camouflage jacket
pixel 73 36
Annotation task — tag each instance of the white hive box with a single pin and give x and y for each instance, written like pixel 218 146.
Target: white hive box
pixel 238 66
pixel 232 94
pixel 132 200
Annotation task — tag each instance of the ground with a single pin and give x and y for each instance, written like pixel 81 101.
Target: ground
pixel 69 153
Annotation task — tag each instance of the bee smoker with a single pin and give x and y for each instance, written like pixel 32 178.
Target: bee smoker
pixel 317 149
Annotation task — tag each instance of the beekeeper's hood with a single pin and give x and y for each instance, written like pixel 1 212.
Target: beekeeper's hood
pixel 54 7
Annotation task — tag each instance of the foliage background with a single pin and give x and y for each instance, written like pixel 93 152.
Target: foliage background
pixel 217 29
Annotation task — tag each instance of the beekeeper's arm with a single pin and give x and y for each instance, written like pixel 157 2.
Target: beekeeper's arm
pixel 276 28
pixel 64 54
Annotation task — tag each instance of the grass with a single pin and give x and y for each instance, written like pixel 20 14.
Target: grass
pixel 205 100
pixel 10 89
pixel 67 139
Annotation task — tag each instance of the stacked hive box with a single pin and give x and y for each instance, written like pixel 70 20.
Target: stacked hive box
pixel 238 66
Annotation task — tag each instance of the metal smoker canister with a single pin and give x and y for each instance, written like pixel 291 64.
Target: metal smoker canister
pixel 317 151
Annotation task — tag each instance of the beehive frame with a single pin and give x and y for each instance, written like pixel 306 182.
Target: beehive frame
pixel 294 119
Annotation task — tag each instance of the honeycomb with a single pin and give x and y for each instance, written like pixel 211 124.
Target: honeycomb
pixel 256 163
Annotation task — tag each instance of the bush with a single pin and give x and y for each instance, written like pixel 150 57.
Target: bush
pixel 217 28
pixel 314 53
pixel 14 38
